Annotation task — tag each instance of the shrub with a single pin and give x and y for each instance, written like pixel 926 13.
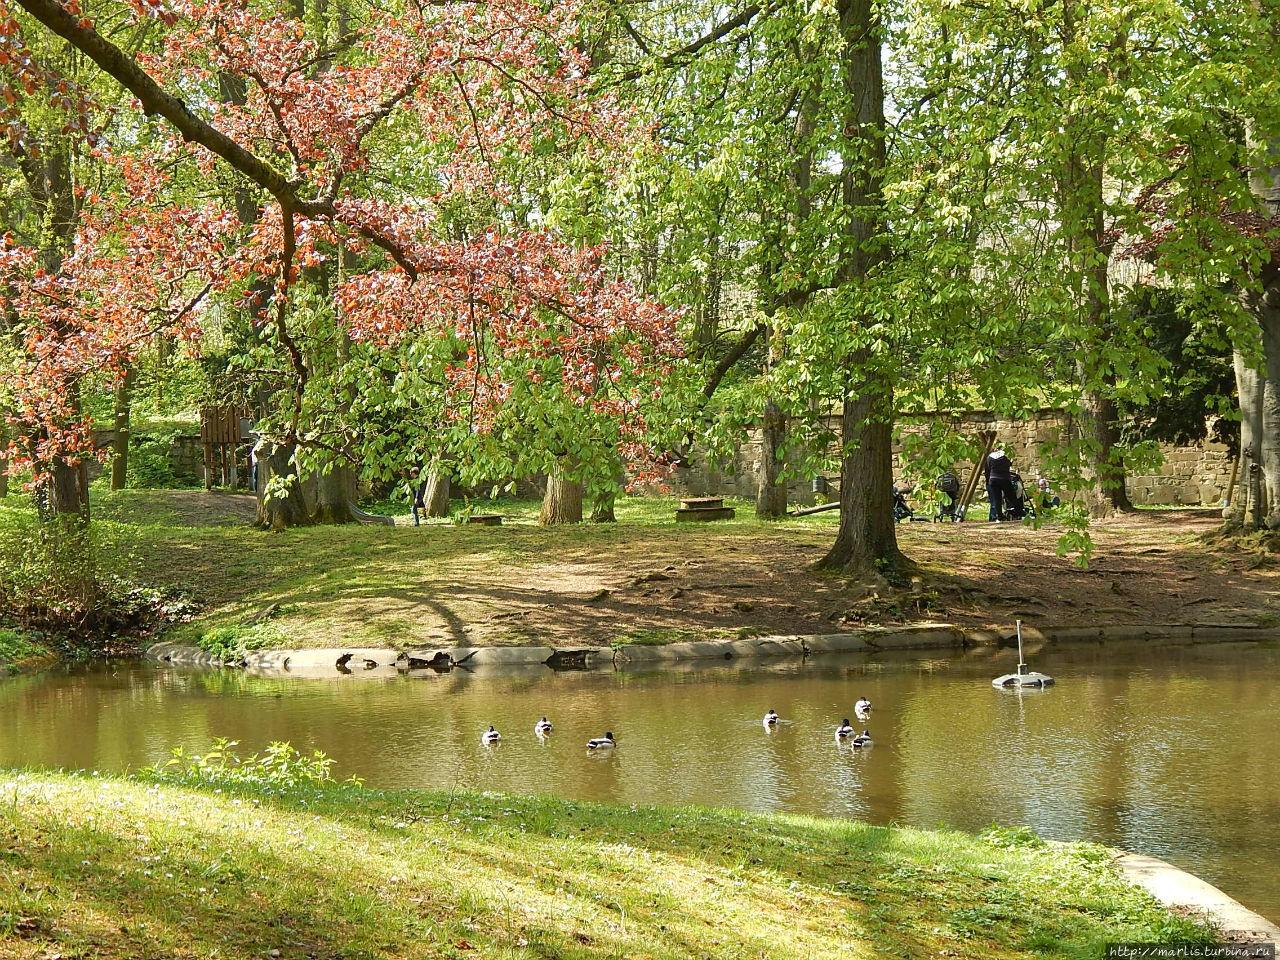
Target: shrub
pixel 230 644
pixel 65 580
pixel 280 765
pixel 151 462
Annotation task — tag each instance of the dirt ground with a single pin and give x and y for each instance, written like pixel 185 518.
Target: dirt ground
pixel 1152 567
pixel 647 579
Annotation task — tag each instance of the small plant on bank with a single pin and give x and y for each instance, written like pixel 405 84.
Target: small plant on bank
pixel 279 765
pixel 231 644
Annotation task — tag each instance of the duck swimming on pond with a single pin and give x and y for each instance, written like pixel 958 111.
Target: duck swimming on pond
pixel 543 727
pixel 600 743
pixel 770 718
pixel 490 736
pixel 862 708
pixel 844 730
pixel 863 739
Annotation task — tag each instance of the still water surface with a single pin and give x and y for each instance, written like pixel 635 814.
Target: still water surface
pixel 1173 751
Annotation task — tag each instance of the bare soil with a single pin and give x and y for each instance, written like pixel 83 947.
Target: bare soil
pixel 652 581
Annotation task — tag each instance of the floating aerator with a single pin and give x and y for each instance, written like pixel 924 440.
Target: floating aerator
pixel 1024 677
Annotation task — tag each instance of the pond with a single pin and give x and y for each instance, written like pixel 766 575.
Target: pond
pixel 1168 750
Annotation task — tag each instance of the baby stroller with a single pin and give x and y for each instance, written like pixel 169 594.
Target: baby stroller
pixel 1023 505
pixel 949 487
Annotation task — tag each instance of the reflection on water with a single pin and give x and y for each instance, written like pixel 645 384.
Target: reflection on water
pixel 1172 751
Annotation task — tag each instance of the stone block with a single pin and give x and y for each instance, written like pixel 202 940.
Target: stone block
pixel 1228 632
pixel 644 652
pixel 767 647
pixel 836 643
pixel 914 636
pixel 1072 634
pixel 314 658
pixel 509 656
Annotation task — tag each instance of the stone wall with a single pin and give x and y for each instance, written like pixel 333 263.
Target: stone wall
pixel 1190 476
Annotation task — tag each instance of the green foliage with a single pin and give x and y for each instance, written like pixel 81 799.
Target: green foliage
pixel 229 644
pixel 1010 838
pixel 17 646
pixel 151 462
pixel 69 581
pixel 278 766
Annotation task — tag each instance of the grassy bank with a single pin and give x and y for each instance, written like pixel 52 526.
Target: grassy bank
pixel 647 578
pixel 106 867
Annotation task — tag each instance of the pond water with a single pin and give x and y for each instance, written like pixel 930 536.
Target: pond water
pixel 1173 751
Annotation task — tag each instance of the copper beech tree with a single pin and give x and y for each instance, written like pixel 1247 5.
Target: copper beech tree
pixel 314 129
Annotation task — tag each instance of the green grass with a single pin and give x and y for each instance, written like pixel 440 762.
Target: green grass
pixel 107 867
pixel 371 585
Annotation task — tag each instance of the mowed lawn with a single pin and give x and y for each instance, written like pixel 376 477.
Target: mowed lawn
pixel 105 867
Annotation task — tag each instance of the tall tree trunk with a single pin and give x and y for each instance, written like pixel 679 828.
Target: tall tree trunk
pixel 771 497
pixel 1264 182
pixel 1083 207
pixel 120 446
pixel 335 490
pixel 1249 387
pixel 435 498
pixel 281 511
pixel 866 543
pixel 563 500
pixel 4 458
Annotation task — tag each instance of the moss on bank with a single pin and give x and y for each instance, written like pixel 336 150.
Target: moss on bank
pixel 120 868
pixel 19 651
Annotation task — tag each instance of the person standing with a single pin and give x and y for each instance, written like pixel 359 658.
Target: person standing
pixel 417 490
pixel 1000 486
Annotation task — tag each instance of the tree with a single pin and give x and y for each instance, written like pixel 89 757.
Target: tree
pixel 313 127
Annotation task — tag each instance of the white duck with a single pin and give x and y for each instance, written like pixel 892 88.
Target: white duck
pixel 771 719
pixel 602 743
pixel 490 736
pixel 543 727
pixel 862 709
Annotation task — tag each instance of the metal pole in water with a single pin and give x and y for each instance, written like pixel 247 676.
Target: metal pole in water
pixel 1022 667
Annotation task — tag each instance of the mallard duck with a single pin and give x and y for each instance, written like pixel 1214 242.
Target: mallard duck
pixel 598 743
pixel 770 718
pixel 863 739
pixel 844 730
pixel 543 727
pixel 491 735
pixel 862 707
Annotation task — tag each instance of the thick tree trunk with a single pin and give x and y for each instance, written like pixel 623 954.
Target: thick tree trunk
pixel 1082 204
pixel 602 505
pixel 771 498
pixel 334 492
pixel 866 544
pixel 4 458
pixel 289 507
pixel 1264 183
pixel 563 500
pixel 1269 315
pixel 1249 387
pixel 120 447
pixel 435 498
pixel 1099 420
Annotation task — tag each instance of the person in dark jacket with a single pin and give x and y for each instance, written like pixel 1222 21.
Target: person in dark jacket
pixel 1000 486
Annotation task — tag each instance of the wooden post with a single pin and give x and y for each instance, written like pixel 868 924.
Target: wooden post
pixel 971 487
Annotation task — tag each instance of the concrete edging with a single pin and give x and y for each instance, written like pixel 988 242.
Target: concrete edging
pixel 1182 891
pixel 910 636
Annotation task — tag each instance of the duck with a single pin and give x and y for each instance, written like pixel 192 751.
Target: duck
pixel 862 707
pixel 490 736
pixel 863 739
pixel 844 730
pixel 543 727
pixel 600 743
pixel 770 718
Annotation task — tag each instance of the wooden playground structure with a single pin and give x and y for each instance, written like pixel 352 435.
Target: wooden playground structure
pixel 222 432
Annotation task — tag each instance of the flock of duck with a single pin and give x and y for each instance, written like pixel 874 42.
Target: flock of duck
pixel 844 732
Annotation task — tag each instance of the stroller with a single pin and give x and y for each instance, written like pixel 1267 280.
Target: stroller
pixel 949 486
pixel 1023 505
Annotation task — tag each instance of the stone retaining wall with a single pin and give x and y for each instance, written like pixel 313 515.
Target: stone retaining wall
pixel 918 636
pixel 1190 476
